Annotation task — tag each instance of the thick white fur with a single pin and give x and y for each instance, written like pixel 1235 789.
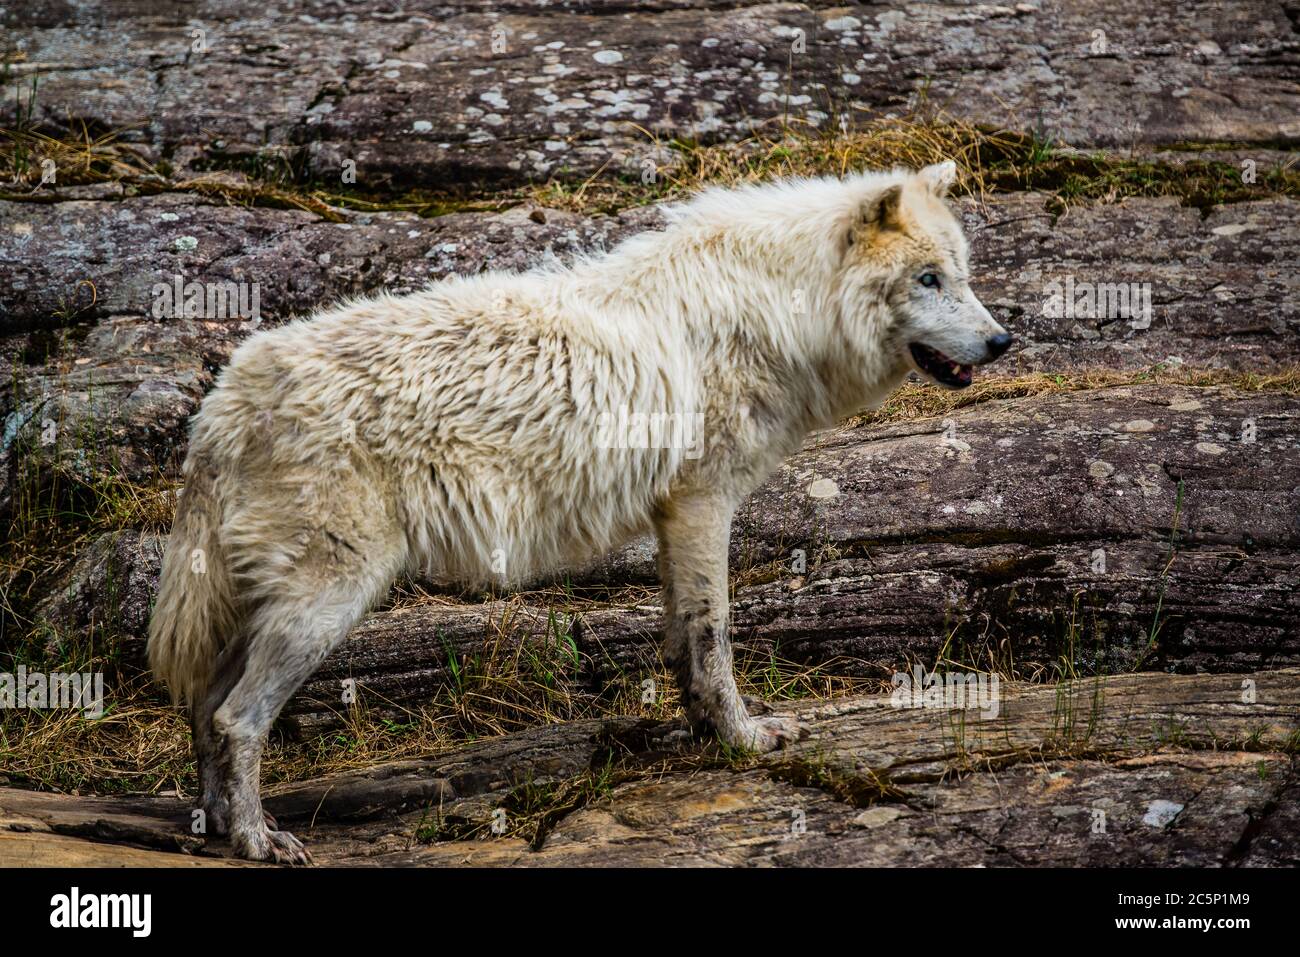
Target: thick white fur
pixel 456 432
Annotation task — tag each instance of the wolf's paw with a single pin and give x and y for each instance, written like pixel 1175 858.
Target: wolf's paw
pixel 761 735
pixel 279 847
pixel 287 849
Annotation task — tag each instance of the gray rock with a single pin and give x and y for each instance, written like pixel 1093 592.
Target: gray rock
pixel 109 591
pixel 1219 287
pixel 83 260
pixel 439 94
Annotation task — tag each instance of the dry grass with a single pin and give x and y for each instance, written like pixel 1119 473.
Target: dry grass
pixel 989 160
pixel 788 151
pixel 88 159
pixel 79 157
pixel 919 401
pixel 136 746
pixel 78 160
pixel 142 745
pixel 53 517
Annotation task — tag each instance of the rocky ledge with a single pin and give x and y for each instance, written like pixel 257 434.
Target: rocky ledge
pixel 1139 770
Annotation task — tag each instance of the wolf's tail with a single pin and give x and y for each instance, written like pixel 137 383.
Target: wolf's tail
pixel 194 613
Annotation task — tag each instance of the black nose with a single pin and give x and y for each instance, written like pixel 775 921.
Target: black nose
pixel 999 344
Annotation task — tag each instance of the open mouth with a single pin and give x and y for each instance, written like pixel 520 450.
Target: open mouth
pixel 940 368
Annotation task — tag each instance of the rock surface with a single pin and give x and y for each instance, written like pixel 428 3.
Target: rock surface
pixel 1141 770
pixel 428 93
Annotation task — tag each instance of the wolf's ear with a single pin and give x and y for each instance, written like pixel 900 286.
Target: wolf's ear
pixel 939 177
pixel 881 210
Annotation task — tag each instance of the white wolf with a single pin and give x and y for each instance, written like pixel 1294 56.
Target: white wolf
pixel 454 428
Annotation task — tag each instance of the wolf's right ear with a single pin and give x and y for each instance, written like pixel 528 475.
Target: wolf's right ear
pixel 881 211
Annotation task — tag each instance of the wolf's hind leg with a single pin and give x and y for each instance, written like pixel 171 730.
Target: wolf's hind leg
pixel 301 610
pixel 288 640
pixel 207 753
pixel 693 537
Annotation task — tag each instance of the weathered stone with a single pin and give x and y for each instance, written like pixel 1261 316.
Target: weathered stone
pixel 111 406
pixel 1205 466
pixel 1176 286
pixel 1140 770
pixel 82 260
pixel 1076 523
pixel 435 93
pixel 109 591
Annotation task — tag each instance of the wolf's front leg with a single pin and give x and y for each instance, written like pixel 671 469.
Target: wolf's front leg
pixel 693 542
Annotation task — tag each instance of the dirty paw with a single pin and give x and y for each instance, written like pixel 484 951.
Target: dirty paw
pixel 287 849
pixel 768 734
pixel 279 847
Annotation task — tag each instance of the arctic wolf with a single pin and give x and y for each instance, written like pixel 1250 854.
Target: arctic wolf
pixel 464 431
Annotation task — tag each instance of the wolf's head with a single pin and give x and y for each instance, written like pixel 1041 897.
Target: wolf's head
pixel 905 248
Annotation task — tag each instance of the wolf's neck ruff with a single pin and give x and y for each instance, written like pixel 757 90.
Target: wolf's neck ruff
pixel 753 270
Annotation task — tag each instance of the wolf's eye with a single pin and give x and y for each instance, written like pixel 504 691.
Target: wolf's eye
pixel 929 280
